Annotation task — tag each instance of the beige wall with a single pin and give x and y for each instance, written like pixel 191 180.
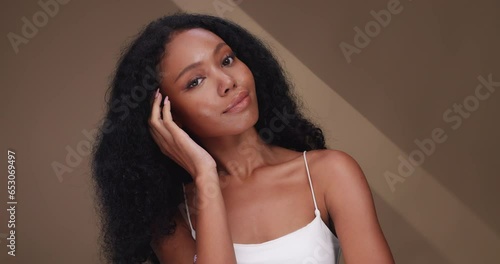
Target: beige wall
pixel 395 90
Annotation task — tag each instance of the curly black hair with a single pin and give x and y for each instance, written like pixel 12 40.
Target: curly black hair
pixel 138 188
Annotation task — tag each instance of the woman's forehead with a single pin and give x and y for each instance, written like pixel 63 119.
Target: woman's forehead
pixel 188 46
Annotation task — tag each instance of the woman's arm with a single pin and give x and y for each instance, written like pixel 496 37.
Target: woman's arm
pixel 178 247
pixel 350 203
pixel 213 240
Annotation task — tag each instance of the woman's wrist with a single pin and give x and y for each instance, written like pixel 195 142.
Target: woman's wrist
pixel 206 178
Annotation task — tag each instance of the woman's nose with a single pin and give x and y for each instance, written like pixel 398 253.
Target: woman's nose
pixel 226 83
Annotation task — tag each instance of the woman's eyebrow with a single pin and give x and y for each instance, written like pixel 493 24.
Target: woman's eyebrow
pixel 196 64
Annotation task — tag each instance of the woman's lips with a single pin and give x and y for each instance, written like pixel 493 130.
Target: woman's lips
pixel 239 102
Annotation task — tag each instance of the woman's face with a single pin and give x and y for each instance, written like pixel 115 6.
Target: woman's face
pixel 202 78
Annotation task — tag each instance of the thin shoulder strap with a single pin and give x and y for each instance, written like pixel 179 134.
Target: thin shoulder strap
pixel 316 210
pixel 193 232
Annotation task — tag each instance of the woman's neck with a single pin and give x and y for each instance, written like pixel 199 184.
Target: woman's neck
pixel 238 156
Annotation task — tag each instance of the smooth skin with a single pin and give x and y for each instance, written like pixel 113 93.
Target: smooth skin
pixel 244 190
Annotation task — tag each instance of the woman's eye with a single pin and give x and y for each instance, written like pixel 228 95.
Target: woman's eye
pixel 194 82
pixel 228 59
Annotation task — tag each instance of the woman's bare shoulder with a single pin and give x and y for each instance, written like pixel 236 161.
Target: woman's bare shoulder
pixel 349 200
pixel 178 247
pixel 331 167
pixel 331 159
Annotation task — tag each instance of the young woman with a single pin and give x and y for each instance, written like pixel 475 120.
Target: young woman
pixel 218 165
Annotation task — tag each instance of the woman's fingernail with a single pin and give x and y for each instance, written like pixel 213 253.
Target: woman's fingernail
pixel 157 92
pixel 165 100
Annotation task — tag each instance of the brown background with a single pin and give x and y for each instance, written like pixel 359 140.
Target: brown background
pixel 395 91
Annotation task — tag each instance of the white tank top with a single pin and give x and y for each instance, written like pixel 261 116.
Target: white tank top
pixel 310 244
